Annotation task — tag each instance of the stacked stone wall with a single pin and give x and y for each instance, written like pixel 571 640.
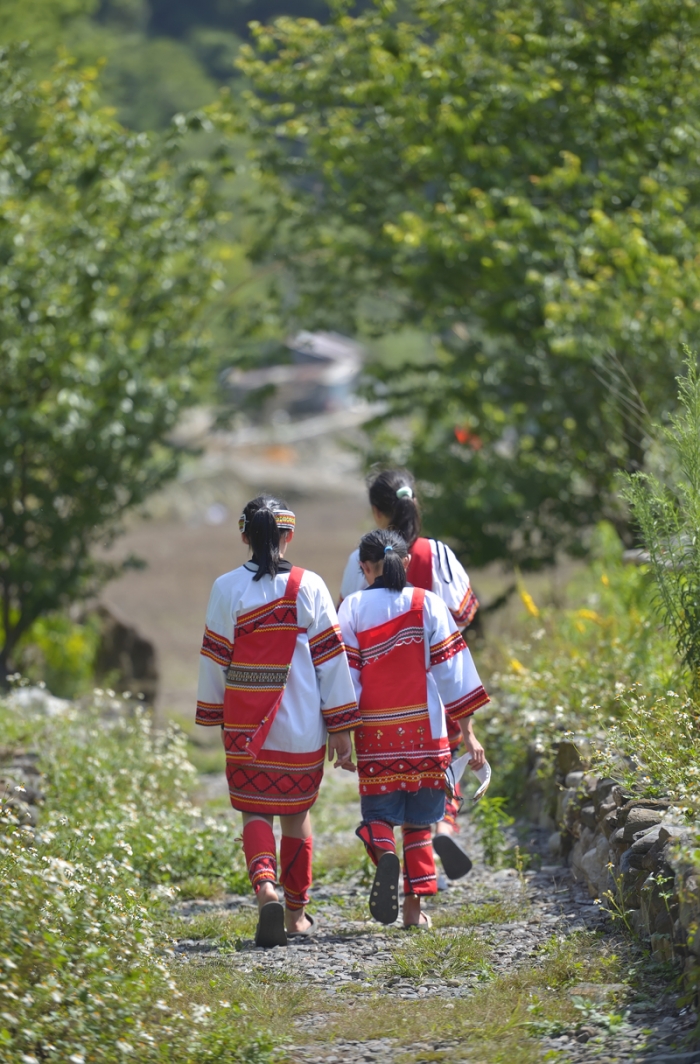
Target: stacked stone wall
pixel 635 854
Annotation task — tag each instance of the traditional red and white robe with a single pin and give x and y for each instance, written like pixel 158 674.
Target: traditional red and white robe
pixel 285 776
pixel 435 567
pixel 410 667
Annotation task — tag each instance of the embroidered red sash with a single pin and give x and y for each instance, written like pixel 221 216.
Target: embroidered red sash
pixel 395 747
pixel 420 567
pixel 263 645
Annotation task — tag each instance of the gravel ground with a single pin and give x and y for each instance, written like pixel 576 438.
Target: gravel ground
pixel 351 955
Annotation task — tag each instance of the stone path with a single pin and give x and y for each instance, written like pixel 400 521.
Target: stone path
pixel 492 925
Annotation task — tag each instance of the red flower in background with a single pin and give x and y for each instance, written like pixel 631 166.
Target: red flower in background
pixel 464 435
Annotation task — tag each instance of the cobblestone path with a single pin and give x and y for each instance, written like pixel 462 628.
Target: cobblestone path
pixel 518 968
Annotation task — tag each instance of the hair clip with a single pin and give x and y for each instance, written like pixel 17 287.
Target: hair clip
pixel 404 493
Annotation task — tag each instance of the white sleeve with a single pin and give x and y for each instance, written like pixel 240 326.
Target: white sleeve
pixel 451 664
pixel 214 659
pixel 451 584
pixel 338 702
pixel 353 577
pixel 348 628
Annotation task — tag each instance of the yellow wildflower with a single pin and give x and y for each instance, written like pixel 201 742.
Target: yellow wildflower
pixel 529 603
pixel 517 666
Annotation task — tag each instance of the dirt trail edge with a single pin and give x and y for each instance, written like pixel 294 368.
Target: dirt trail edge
pixel 518 967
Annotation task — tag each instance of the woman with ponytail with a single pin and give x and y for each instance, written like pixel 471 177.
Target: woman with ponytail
pixel 411 669
pixel 274 676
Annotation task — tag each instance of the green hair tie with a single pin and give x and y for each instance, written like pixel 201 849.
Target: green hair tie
pixel 404 493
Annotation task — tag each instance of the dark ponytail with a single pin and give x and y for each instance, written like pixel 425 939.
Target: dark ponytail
pixel 388 546
pixel 402 510
pixel 263 533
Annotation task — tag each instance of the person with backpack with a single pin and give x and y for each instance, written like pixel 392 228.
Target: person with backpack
pixel 274 676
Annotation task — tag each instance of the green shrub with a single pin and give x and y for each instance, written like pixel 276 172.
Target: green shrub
pixel 127 784
pixel 86 973
pixel 60 653
pixel 668 514
pixel 582 667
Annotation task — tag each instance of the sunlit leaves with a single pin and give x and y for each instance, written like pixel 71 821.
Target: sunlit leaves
pixel 525 172
pixel 104 276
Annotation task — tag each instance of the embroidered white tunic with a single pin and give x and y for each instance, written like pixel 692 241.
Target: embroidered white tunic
pixel 453 683
pixel 319 695
pixel 450 581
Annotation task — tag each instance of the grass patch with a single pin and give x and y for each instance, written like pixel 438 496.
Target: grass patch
pixel 438 954
pixel 338 860
pixel 355 910
pixel 493 911
pixel 265 997
pixel 503 1021
pixel 224 928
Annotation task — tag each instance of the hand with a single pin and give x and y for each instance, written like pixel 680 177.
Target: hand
pixel 473 745
pixel 340 745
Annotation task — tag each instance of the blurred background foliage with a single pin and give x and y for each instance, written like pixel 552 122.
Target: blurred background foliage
pixel 160 57
pixel 520 182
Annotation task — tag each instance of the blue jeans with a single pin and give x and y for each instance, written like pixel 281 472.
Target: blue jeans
pixel 422 808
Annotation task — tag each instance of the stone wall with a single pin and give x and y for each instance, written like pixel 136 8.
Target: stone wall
pixel 633 853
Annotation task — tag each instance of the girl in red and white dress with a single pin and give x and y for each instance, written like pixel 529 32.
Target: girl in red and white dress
pixel 274 676
pixel 411 667
pixel 435 567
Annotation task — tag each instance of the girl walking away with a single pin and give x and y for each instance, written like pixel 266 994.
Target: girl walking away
pixel 411 667
pixel 435 567
pixel 274 676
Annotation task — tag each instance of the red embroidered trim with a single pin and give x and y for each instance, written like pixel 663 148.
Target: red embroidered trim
pixel 342 718
pixel 393 773
pixel 209 713
pixel 326 645
pixel 447 648
pixel 468 704
pixel 354 658
pixel 277 783
pixel 273 617
pixel 217 647
pixel 464 613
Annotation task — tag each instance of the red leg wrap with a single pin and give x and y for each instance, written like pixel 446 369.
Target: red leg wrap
pixel 260 853
pixel 378 836
pixel 418 862
pixel 295 875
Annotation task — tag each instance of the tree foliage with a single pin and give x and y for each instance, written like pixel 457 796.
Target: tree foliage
pixel 522 181
pixel 104 276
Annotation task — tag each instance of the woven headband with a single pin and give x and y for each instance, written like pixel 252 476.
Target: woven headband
pixel 284 519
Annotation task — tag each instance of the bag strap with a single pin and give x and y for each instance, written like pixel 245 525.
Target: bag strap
pixel 418 598
pixel 292 589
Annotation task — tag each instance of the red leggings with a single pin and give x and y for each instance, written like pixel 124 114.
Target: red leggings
pixel 295 857
pixel 418 861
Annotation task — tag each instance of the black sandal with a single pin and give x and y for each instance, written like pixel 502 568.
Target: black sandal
pixel 455 860
pixel 270 931
pixel 384 895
